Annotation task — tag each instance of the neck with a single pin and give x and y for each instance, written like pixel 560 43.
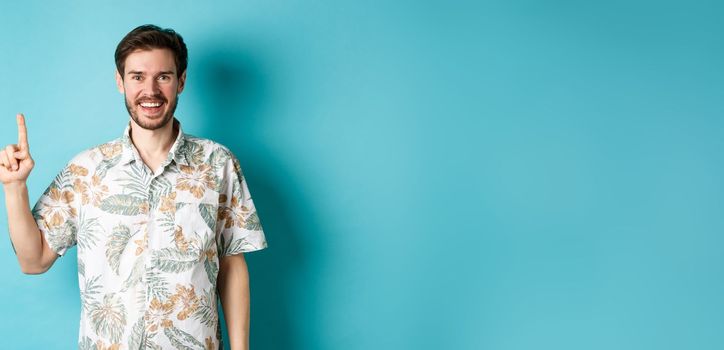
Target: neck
pixel 152 144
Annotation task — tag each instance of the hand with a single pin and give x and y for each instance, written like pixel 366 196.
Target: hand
pixel 15 160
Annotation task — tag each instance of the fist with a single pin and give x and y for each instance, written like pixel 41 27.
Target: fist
pixel 15 160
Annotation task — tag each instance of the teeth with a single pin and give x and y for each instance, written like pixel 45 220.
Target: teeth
pixel 150 104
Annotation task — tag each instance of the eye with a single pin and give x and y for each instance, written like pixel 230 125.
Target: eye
pixel 135 77
pixel 163 77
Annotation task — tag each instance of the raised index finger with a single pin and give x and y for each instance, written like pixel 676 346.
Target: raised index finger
pixel 22 133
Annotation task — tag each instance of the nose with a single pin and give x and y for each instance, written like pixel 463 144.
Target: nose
pixel 151 86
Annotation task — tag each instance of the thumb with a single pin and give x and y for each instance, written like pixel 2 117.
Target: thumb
pixel 22 154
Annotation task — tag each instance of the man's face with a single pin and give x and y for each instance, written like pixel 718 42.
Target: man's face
pixel 151 86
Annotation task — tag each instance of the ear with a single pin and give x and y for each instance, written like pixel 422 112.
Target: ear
pixel 119 83
pixel 181 82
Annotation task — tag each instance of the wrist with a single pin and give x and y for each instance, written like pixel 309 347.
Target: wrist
pixel 15 187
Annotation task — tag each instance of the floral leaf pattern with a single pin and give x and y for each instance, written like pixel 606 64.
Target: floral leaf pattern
pixel 115 246
pixel 206 312
pixel 89 232
pixel 173 260
pixel 122 204
pixel 65 235
pixel 136 340
pixel 86 344
pixel 135 277
pixel 156 284
pixel 108 317
pixel 182 340
pixel 212 271
pixel 150 241
pixel 207 213
pixel 88 293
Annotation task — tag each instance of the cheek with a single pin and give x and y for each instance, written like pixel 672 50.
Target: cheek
pixel 170 93
pixel 131 92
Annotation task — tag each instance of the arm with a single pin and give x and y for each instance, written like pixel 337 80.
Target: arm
pixel 233 285
pixel 32 252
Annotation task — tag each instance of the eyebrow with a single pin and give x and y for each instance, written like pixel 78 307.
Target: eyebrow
pixel 142 73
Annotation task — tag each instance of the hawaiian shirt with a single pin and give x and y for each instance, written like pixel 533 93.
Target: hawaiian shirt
pixel 149 242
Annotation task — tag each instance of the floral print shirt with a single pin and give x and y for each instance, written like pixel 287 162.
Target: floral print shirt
pixel 149 242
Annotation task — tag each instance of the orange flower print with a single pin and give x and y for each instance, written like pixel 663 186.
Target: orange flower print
pixel 78 170
pixel 181 242
pixel 235 214
pixel 209 253
pixel 110 150
pixel 97 190
pixel 93 192
pixel 100 345
pixel 209 344
pixel 80 187
pixel 187 299
pixel 158 314
pixel 143 208
pixel 195 179
pixel 141 243
pixel 168 203
pixel 58 207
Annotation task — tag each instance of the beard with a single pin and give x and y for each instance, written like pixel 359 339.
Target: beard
pixel 133 111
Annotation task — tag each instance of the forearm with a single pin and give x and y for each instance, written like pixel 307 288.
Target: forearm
pixel 24 233
pixel 233 287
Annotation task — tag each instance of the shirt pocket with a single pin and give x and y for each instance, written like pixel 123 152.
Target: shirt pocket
pixel 195 223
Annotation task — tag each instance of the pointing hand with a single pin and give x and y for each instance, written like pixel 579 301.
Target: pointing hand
pixel 15 160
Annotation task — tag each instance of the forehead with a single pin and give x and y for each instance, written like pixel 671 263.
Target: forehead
pixel 150 61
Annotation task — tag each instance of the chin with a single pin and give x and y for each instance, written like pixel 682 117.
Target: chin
pixel 152 123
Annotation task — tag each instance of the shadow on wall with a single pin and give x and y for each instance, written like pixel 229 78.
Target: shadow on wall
pixel 233 93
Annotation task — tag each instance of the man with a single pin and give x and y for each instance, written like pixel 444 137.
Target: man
pixel 161 218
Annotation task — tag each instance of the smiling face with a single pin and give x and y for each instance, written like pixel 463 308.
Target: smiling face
pixel 150 85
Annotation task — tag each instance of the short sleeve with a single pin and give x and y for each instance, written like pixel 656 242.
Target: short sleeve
pixel 238 227
pixel 56 211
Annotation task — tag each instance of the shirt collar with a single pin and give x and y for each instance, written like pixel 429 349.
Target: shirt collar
pixel 177 152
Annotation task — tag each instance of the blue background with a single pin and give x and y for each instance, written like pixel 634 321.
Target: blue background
pixel 429 174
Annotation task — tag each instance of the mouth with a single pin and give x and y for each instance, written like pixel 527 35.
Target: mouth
pixel 151 107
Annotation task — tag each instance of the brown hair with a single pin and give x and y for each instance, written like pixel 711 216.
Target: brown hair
pixel 147 37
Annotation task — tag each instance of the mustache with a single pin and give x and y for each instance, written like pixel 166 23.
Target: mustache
pixel 154 98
